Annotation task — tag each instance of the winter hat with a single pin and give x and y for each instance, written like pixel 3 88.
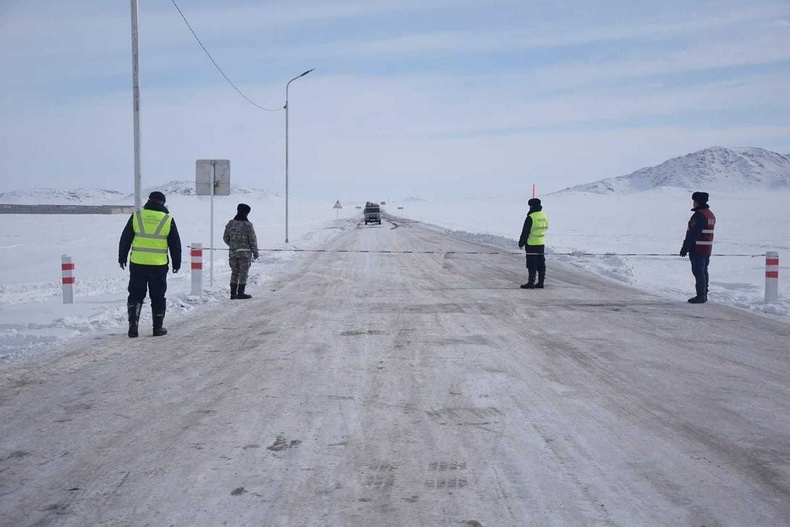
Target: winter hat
pixel 157 196
pixel 243 208
pixel 534 202
pixel 700 197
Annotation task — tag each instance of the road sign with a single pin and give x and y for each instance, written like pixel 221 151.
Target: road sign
pixel 212 178
pixel 337 205
pixel 212 173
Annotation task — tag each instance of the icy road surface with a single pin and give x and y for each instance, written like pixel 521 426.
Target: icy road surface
pixel 373 389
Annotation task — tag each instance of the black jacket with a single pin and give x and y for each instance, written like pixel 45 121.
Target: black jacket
pixel 694 231
pixel 522 241
pixel 173 239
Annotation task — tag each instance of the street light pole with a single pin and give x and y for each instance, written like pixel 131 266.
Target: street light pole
pixel 136 106
pixel 286 148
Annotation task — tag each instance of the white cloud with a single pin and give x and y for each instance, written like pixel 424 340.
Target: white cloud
pixel 488 40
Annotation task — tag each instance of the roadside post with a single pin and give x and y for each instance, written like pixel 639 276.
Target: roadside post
pixel 67 268
pixel 771 276
pixel 196 253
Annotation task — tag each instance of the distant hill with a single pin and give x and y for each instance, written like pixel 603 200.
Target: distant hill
pixel 51 196
pixel 716 168
pixel 187 188
pixel 87 196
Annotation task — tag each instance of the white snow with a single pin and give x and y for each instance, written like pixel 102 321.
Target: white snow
pixel 631 238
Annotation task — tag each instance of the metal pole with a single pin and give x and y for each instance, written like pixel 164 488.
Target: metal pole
pixel 136 108
pixel 286 161
pixel 211 248
pixel 286 149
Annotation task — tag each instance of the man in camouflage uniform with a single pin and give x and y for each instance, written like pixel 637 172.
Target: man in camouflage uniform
pixel 240 237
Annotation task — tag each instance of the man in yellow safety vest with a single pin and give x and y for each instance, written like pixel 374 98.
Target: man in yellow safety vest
pixel 532 234
pixel 149 234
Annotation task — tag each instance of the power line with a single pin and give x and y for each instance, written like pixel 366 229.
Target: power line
pixel 217 65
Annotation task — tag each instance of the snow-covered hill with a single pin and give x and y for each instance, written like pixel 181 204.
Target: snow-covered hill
pixel 86 196
pixel 51 196
pixel 712 169
pixel 187 188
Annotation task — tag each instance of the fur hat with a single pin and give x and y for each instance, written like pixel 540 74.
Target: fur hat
pixel 700 197
pixel 243 208
pixel 157 196
pixel 534 202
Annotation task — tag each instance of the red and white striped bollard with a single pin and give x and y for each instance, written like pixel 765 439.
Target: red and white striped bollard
pixel 67 268
pixel 771 276
pixel 196 254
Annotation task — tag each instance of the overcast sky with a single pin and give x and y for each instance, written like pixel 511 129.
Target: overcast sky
pixel 408 98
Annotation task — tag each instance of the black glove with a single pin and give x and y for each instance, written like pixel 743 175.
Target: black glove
pixel 683 251
pixel 175 269
pixel 122 264
pixel 520 245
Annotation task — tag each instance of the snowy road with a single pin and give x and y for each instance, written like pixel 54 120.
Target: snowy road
pixel 370 389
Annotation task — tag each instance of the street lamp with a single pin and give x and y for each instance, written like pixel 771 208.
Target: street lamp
pixel 286 149
pixel 136 106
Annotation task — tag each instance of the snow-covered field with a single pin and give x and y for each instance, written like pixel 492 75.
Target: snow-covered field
pixel 631 238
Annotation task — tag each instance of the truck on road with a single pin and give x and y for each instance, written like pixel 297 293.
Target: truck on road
pixel 372 213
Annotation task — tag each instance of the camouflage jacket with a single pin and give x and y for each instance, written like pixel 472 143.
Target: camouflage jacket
pixel 240 237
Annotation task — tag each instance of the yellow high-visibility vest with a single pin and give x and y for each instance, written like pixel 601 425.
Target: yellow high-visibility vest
pixel 149 246
pixel 540 222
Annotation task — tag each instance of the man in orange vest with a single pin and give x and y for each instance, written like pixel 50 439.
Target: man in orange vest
pixel 699 244
pixel 149 234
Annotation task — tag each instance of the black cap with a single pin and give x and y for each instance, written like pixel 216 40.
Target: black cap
pixel 534 202
pixel 157 196
pixel 243 208
pixel 700 197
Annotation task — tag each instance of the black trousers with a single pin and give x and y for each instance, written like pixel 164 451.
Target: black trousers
pixel 536 263
pixel 151 279
pixel 699 268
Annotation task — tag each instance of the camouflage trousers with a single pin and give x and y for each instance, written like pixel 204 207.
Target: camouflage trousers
pixel 239 267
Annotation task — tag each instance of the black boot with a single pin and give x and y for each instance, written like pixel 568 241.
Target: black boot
pixel 241 295
pixel 530 281
pixel 159 319
pixel 134 318
pixel 541 277
pixel 233 294
pixel 702 296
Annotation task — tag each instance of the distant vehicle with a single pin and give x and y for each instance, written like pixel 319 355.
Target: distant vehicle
pixel 372 213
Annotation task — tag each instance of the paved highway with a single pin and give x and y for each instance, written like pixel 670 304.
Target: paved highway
pixel 374 389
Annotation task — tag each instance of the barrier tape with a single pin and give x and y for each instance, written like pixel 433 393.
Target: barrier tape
pixel 574 253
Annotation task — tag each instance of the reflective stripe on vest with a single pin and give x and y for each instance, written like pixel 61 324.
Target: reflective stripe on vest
pixel 540 222
pixel 704 244
pixel 151 228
